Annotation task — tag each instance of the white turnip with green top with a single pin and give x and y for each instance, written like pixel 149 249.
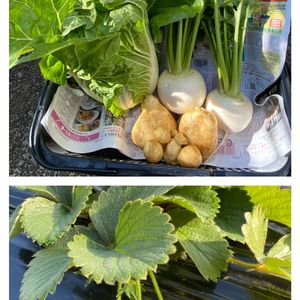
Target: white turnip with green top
pixel 181 88
pixel 225 29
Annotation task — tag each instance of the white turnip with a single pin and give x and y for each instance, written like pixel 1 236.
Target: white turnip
pixel 181 88
pixel 225 28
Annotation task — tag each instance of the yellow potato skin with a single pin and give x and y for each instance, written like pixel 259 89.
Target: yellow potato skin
pixel 153 151
pixel 189 157
pixel 200 127
pixel 153 119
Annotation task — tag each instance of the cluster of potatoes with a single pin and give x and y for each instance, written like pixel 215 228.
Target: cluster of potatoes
pixel 188 142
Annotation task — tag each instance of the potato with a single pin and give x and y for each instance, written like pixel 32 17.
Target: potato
pixel 162 135
pixel 154 119
pixel 190 157
pixel 171 152
pixel 200 127
pixel 153 151
pixel 180 139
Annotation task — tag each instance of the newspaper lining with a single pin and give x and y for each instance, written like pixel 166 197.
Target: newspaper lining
pixel 79 124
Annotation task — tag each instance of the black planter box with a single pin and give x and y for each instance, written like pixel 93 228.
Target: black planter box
pixel 110 162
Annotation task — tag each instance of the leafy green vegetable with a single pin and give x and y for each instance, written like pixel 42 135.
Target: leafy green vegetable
pixel 203 242
pixel 142 240
pixel 111 56
pixel 275 200
pixel 234 204
pixel 201 200
pixel 255 231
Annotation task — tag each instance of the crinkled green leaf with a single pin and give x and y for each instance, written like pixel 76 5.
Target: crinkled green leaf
pixel 45 272
pixel 143 240
pixel 15 224
pixel 83 14
pixel 53 69
pixel 255 231
pixel 114 55
pixel 105 212
pixel 31 24
pixel 203 242
pixel 201 200
pixel 45 220
pixel 234 203
pixel 275 200
pixel 282 249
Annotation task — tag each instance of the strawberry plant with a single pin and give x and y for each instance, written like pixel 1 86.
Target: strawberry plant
pixel 121 235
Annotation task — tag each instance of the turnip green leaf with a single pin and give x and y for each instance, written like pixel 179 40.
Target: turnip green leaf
pixel 45 220
pixel 143 240
pixel 201 200
pixel 255 231
pixel 203 242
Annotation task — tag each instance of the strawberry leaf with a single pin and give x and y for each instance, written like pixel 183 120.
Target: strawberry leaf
pixel 275 200
pixel 234 204
pixel 201 200
pixel 142 240
pixel 15 224
pixel 105 212
pixel 45 220
pixel 203 242
pixel 255 231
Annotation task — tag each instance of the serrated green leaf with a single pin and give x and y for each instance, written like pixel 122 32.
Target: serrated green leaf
pixel 255 231
pixel 15 224
pixel 59 194
pixel 234 203
pixel 45 220
pixel 45 272
pixel 201 200
pixel 105 212
pixel 277 266
pixel 282 249
pixel 143 240
pixel 128 289
pixel 203 242
pixel 275 200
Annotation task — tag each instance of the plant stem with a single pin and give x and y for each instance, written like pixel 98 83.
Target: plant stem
pixel 241 47
pixel 178 66
pixel 221 61
pixel 120 285
pixel 170 49
pixel 138 290
pixel 185 37
pixel 191 45
pixel 155 285
pixel 235 81
pixel 225 33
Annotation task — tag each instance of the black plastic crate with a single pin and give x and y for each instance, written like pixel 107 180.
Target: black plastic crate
pixel 111 162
